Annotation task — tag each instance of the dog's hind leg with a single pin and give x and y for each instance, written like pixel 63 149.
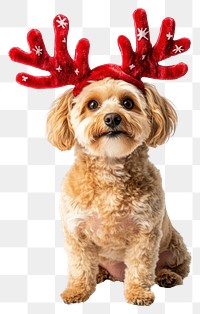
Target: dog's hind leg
pixel 175 263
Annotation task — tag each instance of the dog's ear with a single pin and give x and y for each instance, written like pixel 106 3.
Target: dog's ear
pixel 162 116
pixel 59 128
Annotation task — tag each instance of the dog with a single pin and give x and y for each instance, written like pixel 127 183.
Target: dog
pixel 112 203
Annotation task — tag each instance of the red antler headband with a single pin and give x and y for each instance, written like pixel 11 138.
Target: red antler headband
pixel 135 65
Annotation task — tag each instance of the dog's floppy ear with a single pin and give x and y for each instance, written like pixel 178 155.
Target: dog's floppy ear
pixel 59 129
pixel 162 116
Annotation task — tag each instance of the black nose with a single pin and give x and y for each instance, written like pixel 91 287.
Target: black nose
pixel 112 120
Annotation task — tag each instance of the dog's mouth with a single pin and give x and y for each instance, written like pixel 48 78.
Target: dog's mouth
pixel 112 134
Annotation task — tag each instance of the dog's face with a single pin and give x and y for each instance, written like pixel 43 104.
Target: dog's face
pixel 110 118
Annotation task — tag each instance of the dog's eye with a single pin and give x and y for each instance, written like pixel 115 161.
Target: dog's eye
pixel 93 105
pixel 128 103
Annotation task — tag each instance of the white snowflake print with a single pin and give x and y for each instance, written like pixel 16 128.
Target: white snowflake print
pixel 169 36
pixel 38 50
pixel 61 22
pixel 131 66
pixel 24 78
pixel 59 69
pixel 77 72
pixel 143 57
pixel 178 49
pixel 64 40
pixel 142 33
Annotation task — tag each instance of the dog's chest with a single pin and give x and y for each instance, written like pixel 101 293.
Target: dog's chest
pixel 114 228
pixel 110 219
pixel 108 208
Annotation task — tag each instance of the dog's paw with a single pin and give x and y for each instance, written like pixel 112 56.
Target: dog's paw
pixel 140 297
pixel 75 295
pixel 168 279
pixel 103 275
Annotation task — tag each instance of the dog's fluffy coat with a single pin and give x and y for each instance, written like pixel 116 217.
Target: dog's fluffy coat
pixel 112 204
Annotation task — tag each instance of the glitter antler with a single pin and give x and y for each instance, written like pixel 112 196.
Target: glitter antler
pixel 63 69
pixel 144 62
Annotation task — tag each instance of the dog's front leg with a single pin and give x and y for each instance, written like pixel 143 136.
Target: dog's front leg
pixel 141 258
pixel 82 269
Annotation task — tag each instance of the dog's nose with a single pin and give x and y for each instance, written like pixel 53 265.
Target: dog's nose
pixel 112 120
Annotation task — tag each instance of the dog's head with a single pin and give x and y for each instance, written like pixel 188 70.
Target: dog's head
pixel 111 118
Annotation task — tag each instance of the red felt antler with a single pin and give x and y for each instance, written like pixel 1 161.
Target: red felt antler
pixel 63 69
pixel 144 62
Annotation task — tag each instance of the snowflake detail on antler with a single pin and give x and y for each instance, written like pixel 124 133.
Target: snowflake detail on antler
pixel 61 22
pixel 131 66
pixel 24 78
pixel 169 36
pixel 38 50
pixel 77 71
pixel 59 69
pixel 142 33
pixel 178 49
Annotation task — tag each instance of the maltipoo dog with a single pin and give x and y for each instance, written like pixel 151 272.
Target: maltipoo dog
pixel 112 204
